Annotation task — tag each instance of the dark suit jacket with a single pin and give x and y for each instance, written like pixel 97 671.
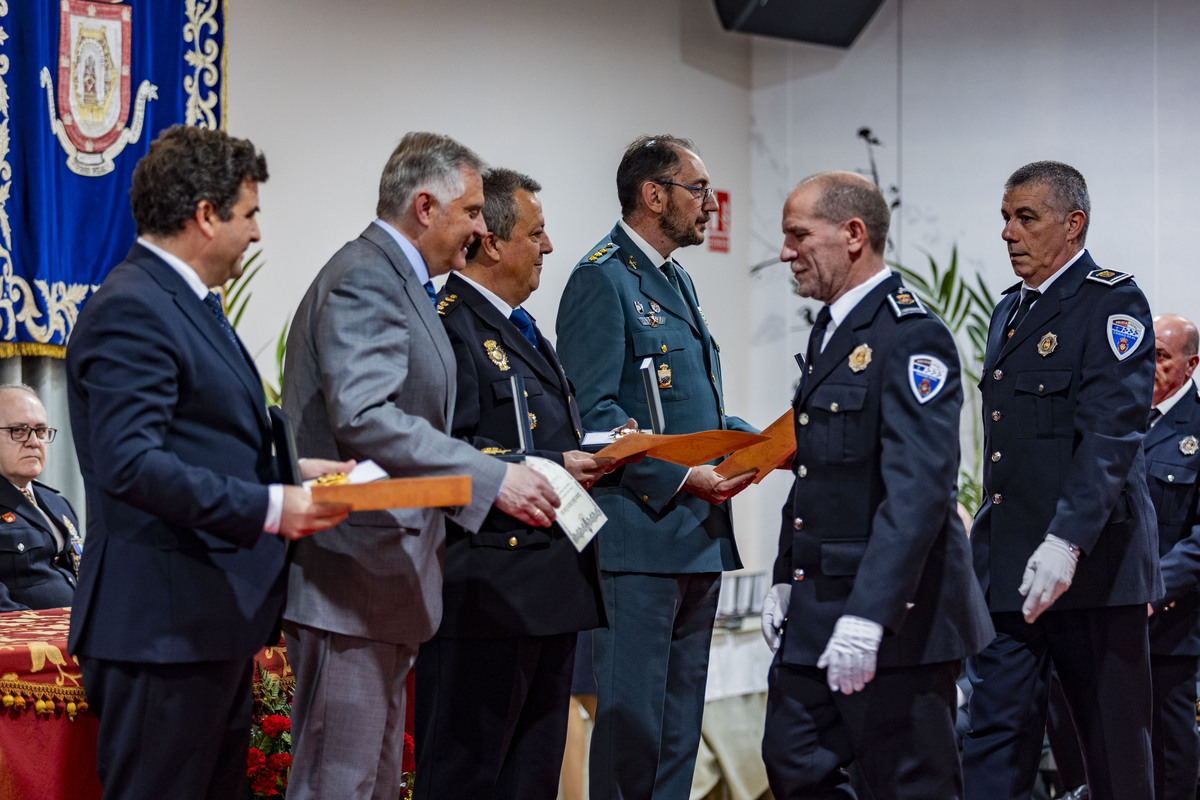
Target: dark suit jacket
pixel 1063 419
pixel 1172 450
pixel 174 444
pixel 871 526
pixel 510 579
pixel 33 574
pixel 615 311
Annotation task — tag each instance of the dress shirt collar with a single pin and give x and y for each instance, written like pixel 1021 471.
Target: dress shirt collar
pixel 189 275
pixel 410 252
pixel 504 308
pixel 655 257
pixel 840 309
pixel 1046 283
pixel 1169 403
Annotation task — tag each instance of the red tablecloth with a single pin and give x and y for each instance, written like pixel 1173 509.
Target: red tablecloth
pixel 47 734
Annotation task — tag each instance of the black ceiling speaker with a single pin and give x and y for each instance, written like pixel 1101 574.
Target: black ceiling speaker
pixel 832 22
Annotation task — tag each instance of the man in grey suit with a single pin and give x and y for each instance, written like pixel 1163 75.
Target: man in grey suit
pixel 669 534
pixel 371 372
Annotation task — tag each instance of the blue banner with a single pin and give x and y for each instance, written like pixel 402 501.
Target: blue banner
pixel 84 88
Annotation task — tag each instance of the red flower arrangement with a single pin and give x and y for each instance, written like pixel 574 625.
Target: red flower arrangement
pixel 269 760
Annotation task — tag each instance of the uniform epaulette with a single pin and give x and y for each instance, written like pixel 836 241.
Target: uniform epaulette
pixel 605 252
pixel 446 304
pixel 1109 277
pixel 905 304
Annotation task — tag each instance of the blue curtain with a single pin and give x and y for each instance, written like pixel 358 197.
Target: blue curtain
pixel 84 88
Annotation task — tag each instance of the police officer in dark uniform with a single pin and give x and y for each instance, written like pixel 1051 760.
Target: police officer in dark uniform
pixel 874 597
pixel 1067 527
pixel 493 686
pixel 39 543
pixel 1172 448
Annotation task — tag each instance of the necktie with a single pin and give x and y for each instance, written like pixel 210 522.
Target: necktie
pixel 525 325
pixel 1028 298
pixel 59 542
pixel 816 337
pixel 669 269
pixel 429 291
pixel 1154 416
pixel 214 305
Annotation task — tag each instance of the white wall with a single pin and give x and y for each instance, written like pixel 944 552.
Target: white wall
pixel 961 94
pixel 549 88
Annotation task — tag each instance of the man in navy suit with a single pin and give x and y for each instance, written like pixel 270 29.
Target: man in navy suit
pixel 39 545
pixel 1172 447
pixel 494 684
pixel 182 578
pixel 669 533
pixel 1065 543
pixel 873 593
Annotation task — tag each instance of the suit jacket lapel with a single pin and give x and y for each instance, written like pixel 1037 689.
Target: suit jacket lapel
pixel 845 338
pixel 509 334
pixel 193 309
pixel 1174 424
pixel 425 312
pixel 651 281
pixel 1004 310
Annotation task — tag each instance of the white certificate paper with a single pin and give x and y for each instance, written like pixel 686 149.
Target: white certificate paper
pixel 578 516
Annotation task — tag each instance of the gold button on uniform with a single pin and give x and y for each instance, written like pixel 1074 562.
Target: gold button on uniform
pixel 1170 479
pixel 802 471
pixel 803 418
pixel 995 456
pixel 833 407
pixel 1041 387
pixel 664 348
pixel 645 498
pixel 512 541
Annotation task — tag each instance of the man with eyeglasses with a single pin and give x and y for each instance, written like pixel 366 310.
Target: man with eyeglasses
pixel 669 533
pixel 39 542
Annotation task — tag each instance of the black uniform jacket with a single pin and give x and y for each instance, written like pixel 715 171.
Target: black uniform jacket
pixel 871 527
pixel 33 574
pixel 1065 401
pixel 1172 450
pixel 510 579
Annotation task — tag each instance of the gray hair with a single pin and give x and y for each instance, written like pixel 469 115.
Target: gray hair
pixel 20 387
pixel 500 187
pixel 423 162
pixel 1068 189
pixel 846 196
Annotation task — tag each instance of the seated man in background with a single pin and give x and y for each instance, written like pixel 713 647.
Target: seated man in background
pixel 39 545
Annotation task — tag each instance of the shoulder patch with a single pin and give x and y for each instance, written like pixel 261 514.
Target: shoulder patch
pixel 1109 277
pixel 905 304
pixel 603 253
pixel 926 376
pixel 446 304
pixel 1124 334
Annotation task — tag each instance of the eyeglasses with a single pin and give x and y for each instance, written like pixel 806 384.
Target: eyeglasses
pixel 706 192
pixel 20 433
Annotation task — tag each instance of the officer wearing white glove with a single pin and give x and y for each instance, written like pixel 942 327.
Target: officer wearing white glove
pixel 774 612
pixel 849 658
pixel 1048 574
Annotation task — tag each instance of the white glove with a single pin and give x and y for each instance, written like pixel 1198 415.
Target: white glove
pixel 1048 574
pixel 775 608
pixel 849 658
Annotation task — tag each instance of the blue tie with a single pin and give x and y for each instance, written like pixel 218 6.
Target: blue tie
pixel 214 305
pixel 525 325
pixel 429 291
